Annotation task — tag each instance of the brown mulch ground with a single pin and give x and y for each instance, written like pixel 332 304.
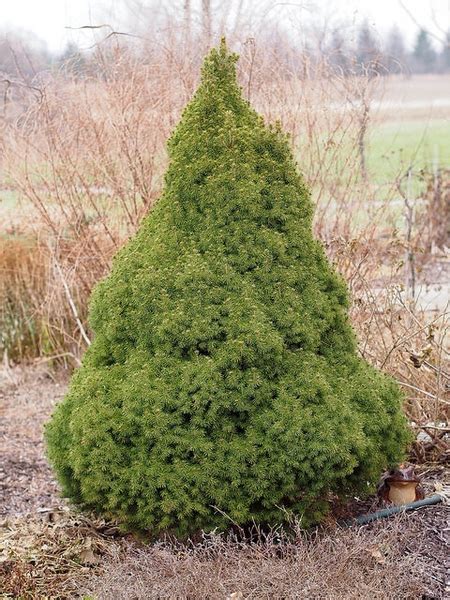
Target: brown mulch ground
pixel 48 550
pixel 26 400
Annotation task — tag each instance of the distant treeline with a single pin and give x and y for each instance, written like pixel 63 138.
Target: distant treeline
pixel 24 56
pixel 389 55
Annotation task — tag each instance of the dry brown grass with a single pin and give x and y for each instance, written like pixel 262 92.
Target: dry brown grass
pixel 22 277
pixel 344 564
pixel 415 98
pixel 61 554
pixel 41 307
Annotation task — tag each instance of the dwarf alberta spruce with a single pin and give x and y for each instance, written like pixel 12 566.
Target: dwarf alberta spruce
pixel 223 382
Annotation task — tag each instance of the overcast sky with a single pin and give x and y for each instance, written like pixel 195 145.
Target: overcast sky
pixel 49 18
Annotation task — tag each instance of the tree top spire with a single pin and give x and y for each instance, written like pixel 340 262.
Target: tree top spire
pixel 220 65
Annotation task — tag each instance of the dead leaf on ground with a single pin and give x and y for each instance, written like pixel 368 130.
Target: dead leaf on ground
pixel 376 553
pixel 88 557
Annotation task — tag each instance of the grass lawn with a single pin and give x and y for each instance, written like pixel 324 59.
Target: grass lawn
pixel 393 147
pixel 8 201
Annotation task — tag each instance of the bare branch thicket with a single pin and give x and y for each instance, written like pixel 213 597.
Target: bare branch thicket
pixel 88 161
pixel 440 37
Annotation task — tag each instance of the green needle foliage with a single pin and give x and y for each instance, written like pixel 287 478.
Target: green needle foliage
pixel 223 382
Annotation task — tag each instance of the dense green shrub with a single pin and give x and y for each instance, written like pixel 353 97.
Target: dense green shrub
pixel 224 376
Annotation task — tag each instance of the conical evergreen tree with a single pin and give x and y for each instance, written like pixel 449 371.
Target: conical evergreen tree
pixel 223 377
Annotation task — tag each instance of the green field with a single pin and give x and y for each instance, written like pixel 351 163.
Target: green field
pixel 394 147
pixel 8 200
